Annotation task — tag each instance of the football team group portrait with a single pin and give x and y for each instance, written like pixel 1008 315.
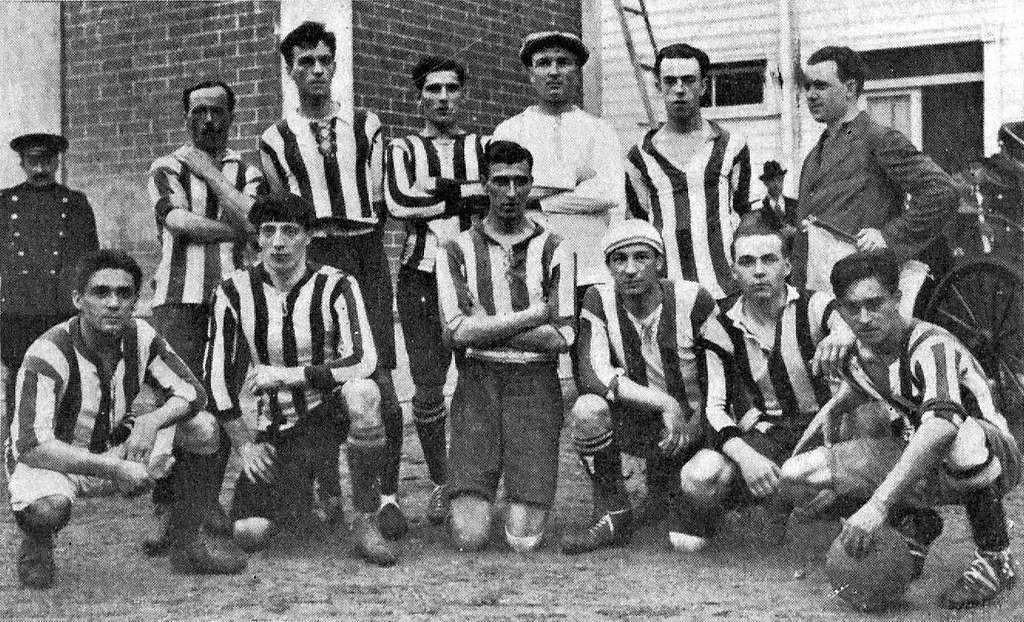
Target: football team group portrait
pixel 472 350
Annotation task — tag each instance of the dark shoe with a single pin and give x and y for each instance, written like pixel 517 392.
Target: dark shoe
pixel 988 576
pixel 438 505
pixel 217 522
pixel 158 535
pixel 203 555
pixel 35 561
pixel 612 529
pixel 371 544
pixel 392 522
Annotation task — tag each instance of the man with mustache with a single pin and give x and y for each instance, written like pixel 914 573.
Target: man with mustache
pixel 578 176
pixel 427 175
pixel 201 194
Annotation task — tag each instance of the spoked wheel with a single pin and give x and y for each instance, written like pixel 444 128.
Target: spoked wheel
pixel 982 303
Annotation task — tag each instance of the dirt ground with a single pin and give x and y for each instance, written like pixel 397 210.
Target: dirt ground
pixel 104 575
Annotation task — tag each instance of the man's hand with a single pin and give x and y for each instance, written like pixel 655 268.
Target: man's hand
pixel 140 442
pixel 132 478
pixel 760 474
pixel 265 378
pixel 198 161
pixel 258 461
pixel 832 350
pixel 870 240
pixel 677 434
pixel 859 530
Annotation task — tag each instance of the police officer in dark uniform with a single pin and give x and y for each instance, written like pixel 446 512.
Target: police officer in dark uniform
pixel 44 228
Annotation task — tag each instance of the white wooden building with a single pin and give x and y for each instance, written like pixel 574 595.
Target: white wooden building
pixel 946 72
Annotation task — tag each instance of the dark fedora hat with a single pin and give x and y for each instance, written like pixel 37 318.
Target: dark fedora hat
pixel 772 169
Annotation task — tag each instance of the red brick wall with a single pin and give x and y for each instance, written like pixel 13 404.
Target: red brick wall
pixel 125 66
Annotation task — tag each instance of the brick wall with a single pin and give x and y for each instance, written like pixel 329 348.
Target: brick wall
pixel 125 66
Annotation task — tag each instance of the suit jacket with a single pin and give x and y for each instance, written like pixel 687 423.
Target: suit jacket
pixel 861 181
pixel 791 216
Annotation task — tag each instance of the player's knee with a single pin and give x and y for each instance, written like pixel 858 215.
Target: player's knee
pixel 200 434
pixel 706 475
pixel 591 420
pixel 45 515
pixel 470 522
pixel 362 400
pixel 252 534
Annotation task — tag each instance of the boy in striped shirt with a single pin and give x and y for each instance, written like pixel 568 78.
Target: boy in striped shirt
pixel 75 432
pixel 652 374
pixel 337 165
pixel 306 332
pixel 201 194
pixel 507 305
pixel 942 441
pixel 427 175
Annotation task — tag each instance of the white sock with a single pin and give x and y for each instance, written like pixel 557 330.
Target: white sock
pixel 687 543
pixel 386 499
pixel 523 544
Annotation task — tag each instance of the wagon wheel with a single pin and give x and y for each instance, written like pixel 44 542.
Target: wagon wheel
pixel 982 303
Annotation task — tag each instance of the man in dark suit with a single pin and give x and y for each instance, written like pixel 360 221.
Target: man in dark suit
pixel 857 178
pixel 776 210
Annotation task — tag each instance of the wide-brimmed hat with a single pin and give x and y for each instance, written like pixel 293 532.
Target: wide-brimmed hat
pixel 772 169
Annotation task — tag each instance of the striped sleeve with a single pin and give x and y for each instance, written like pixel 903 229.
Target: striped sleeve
pixel 274 171
pixel 39 387
pixel 562 291
pixel 935 362
pixel 404 195
pixel 638 193
pixel 595 372
pixel 356 356
pixel 254 183
pixel 222 350
pixel 164 187
pixel 453 294
pixel 166 371
pixel 715 347
pixel 375 167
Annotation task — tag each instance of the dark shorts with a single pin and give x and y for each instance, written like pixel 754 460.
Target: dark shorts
pixel 506 420
pixel 302 452
pixel 363 257
pixel 429 359
pixel 184 327
pixel 775 443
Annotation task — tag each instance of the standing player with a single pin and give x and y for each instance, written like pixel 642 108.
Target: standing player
pixel 305 330
pixel 201 194
pixel 507 304
pixel 338 166
pixel 947 443
pixel 74 433
pixel 426 175
pixel 690 177
pixel 652 371
pixel 577 157
pixel 780 337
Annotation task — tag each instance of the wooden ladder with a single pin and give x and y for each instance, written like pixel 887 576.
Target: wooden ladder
pixel 640 69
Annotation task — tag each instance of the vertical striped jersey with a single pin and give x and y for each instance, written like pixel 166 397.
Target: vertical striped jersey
pixel 933 372
pixel 412 162
pixel 63 392
pixel 335 165
pixel 777 376
pixel 319 325
pixel 689 359
pixel 696 208
pixel 475 269
pixel 189 271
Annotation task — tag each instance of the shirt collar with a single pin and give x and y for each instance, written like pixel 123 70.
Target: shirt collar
pixel 710 130
pixel 738 316
pixel 479 229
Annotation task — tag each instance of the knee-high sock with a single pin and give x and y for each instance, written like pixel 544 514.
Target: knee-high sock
pixel 391 413
pixel 219 465
pixel 430 428
pixel 326 474
pixel 192 483
pixel 365 451
pixel 987 517
pixel 602 461
pixel 163 490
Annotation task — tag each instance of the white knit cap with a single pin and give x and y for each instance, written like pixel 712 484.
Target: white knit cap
pixel 633 231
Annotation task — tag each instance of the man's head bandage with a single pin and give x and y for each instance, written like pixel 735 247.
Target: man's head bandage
pixel 629 232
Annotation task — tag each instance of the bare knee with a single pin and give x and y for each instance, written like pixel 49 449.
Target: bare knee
pixel 199 434
pixel 807 469
pixel 362 400
pixel 706 476
pixel 591 421
pixel 470 522
pixel 45 515
pixel 252 534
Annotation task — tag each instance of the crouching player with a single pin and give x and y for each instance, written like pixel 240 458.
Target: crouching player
pixel 74 434
pixel 651 371
pixel 947 443
pixel 306 332
pixel 506 298
pixel 780 338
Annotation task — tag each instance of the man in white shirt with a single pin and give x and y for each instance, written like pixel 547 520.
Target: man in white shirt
pixel 578 170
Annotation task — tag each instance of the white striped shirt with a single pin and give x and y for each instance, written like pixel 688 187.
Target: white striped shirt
pixel 696 208
pixel 343 179
pixel 189 271
pixel 320 324
pixel 62 394
pixel 412 162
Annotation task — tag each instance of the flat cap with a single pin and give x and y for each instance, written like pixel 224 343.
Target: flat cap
pixel 53 143
pixel 553 38
pixel 633 231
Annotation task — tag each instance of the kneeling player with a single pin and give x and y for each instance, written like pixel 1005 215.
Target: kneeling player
pixel 306 332
pixel 779 336
pixel 74 435
pixel 948 443
pixel 651 369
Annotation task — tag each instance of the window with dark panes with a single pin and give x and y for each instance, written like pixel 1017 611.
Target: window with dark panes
pixel 735 84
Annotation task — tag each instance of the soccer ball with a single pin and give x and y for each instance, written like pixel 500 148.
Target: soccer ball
pixel 878 579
